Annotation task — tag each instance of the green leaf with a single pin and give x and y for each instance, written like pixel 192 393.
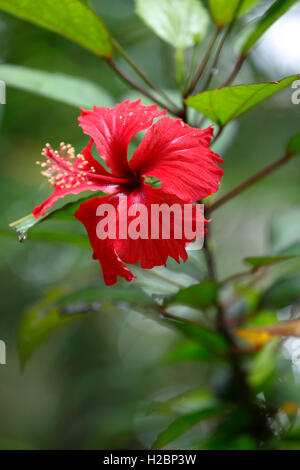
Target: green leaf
pixel 225 104
pixel 81 299
pixel 288 444
pixel 201 295
pixel 236 422
pixel 61 307
pixel 74 91
pixel 209 339
pixel 282 293
pixel 70 18
pixel 243 442
pixel 37 324
pixel 59 236
pixel 247 4
pixel 223 11
pixel 259 261
pixel 290 439
pixel 262 318
pixel 263 364
pixel 182 23
pixel 186 402
pixel 231 432
pixel 189 351
pixel 183 424
pixel 22 225
pixel 160 280
pixel 272 14
pixel 293 146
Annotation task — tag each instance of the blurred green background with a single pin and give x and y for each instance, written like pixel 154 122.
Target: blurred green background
pixel 92 383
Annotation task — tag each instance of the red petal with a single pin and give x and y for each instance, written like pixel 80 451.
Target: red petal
pixel 149 252
pixel 155 252
pixel 180 157
pixel 113 128
pixel 104 250
pixel 70 175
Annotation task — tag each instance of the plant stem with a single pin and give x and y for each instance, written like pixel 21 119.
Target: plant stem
pixel 259 427
pixel 220 130
pixel 141 74
pixel 249 182
pixel 238 65
pixel 210 262
pixel 221 45
pixel 141 89
pixel 202 64
pixel 215 61
pixel 180 72
pixel 192 67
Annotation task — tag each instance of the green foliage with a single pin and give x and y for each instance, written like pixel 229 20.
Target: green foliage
pixel 228 103
pixel 201 295
pixel 242 442
pixel 232 433
pixel 189 350
pixel 70 18
pixel 85 296
pixel 182 23
pixel 293 146
pixel 187 402
pixel 10 444
pixel 264 364
pixel 183 424
pixel 247 4
pixel 282 293
pixel 259 261
pixel 71 90
pixel 290 439
pixel 263 318
pixel 276 10
pixel 53 235
pixel 37 324
pixel 23 225
pixel 223 352
pixel 224 11
pixel 61 307
pixel 208 339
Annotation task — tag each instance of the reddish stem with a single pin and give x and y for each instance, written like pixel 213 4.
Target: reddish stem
pixel 252 180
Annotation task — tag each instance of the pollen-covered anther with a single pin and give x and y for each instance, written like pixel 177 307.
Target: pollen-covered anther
pixel 60 169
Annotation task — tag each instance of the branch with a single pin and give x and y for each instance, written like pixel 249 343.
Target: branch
pixel 238 65
pixel 221 45
pixel 259 425
pixel 220 130
pixel 141 89
pixel 216 60
pixel 210 262
pixel 252 180
pixel 202 65
pixel 143 76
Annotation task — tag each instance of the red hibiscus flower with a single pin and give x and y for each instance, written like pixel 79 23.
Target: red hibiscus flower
pixel 171 151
